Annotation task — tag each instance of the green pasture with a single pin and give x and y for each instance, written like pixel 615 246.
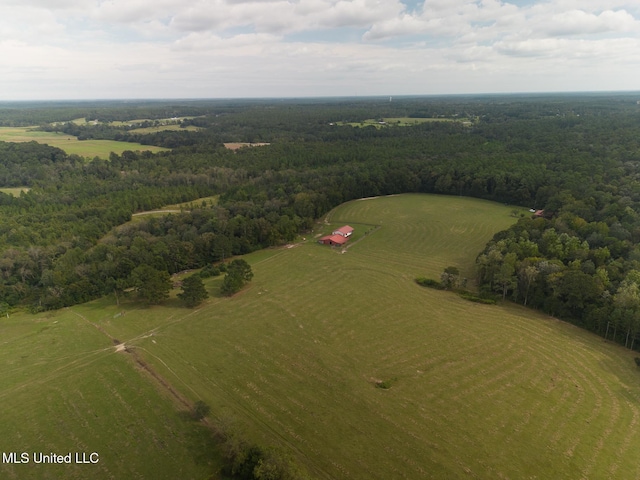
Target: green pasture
pixel 200 202
pixel 70 144
pixel 176 208
pixel 169 122
pixel 64 388
pixel 162 128
pixel 15 191
pixel 398 121
pixel 297 359
pixel 419 236
pixel 161 121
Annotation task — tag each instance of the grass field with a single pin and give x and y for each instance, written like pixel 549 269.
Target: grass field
pixel 15 191
pixel 399 121
pixel 162 128
pixel 238 145
pixel 175 208
pixel 70 144
pixel 64 388
pixel 168 122
pixel 295 360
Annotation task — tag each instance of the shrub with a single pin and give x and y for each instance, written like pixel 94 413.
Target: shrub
pixel 474 298
pixel 429 283
pixel 209 271
pixel 450 278
pixel 385 384
pixel 200 410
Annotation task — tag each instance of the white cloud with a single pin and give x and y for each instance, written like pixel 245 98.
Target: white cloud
pixel 565 50
pixel 203 42
pixel 17 22
pixel 579 22
pixel 283 16
pixel 125 48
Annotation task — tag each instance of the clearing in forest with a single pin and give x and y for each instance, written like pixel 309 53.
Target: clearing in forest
pixel 15 191
pixel 71 145
pixel 400 121
pixel 238 145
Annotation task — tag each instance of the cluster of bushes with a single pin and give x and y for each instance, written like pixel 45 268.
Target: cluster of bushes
pixel 450 280
pixel 429 283
pixel 212 270
pixel 477 299
pixel 244 460
pixel 248 461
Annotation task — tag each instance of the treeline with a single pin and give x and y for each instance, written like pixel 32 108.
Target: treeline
pixel 586 272
pixel 24 164
pixel 25 114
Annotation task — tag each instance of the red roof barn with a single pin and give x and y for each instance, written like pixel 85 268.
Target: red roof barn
pixel 343 231
pixel 333 240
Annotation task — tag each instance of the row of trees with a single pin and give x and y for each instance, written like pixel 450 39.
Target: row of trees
pixel 153 285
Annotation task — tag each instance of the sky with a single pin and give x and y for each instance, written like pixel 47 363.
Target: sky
pixel 106 49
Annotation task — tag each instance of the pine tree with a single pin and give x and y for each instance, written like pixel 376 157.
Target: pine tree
pixel 193 291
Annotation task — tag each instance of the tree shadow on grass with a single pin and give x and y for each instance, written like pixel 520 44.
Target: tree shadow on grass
pixel 204 446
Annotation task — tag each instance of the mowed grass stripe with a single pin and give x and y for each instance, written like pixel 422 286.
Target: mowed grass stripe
pixel 287 312
pixel 572 399
pixel 426 236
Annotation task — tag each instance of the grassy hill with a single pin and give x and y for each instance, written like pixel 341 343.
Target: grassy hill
pixel 298 358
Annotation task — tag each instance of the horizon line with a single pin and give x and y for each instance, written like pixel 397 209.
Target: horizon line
pixel 324 97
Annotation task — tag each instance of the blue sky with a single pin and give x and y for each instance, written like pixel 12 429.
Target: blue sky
pixel 84 49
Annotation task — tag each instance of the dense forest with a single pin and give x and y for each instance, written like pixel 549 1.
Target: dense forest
pixel 576 157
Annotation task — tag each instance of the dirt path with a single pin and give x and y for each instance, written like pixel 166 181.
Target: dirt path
pixel 96 326
pixel 377 227
pixel 141 364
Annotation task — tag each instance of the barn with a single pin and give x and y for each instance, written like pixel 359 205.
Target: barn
pixel 333 240
pixel 345 231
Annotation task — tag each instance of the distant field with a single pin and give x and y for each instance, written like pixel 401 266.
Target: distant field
pixel 161 128
pixel 399 121
pixel 178 207
pixel 70 144
pixel 295 360
pixel 204 201
pixel 165 121
pixel 237 145
pixel 15 191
